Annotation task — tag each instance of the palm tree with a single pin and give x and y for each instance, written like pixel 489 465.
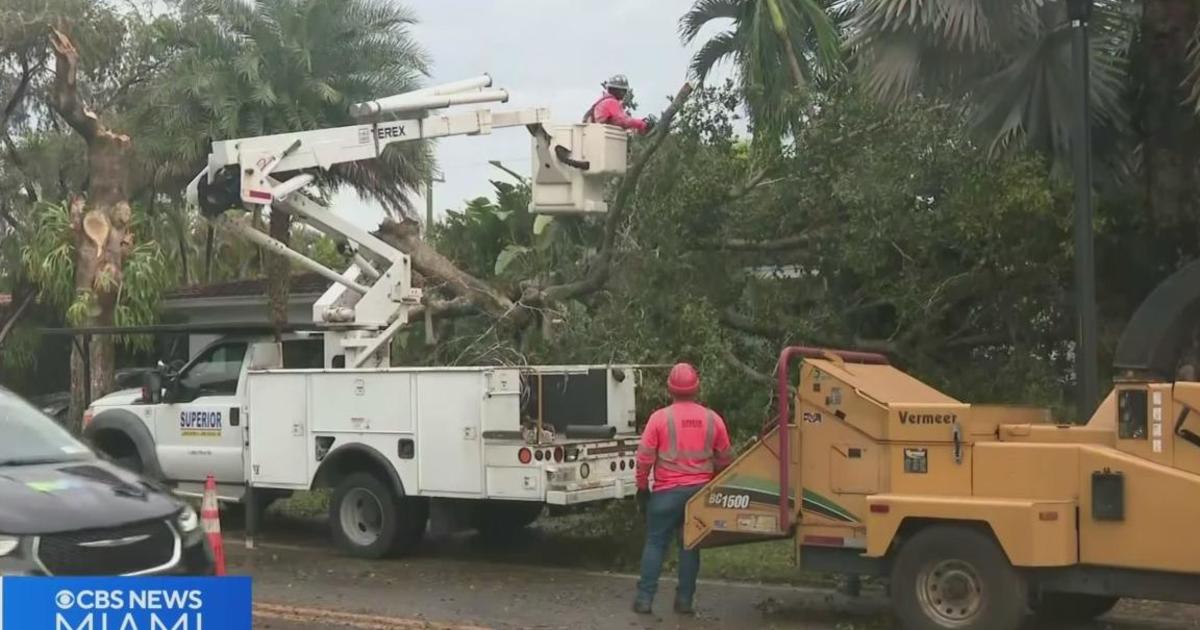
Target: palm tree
pixel 251 68
pixel 1010 63
pixel 765 37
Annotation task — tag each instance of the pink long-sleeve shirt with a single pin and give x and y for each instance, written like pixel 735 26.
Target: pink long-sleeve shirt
pixel 608 110
pixel 685 444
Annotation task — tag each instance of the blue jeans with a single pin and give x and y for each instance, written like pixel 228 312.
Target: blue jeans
pixel 664 520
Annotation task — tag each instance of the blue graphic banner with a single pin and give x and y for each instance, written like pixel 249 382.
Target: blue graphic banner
pixel 125 603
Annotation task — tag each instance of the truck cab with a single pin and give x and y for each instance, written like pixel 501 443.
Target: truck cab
pixel 195 427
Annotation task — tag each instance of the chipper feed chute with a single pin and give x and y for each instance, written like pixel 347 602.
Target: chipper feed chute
pixel 755 498
pixel 742 503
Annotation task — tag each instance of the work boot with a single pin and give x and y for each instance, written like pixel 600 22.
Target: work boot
pixel 641 607
pixel 684 607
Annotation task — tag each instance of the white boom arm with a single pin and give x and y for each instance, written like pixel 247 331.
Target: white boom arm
pixel 370 301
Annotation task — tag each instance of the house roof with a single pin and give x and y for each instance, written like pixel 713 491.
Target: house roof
pixel 301 284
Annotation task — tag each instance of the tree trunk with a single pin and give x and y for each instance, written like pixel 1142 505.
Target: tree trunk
pixel 279 271
pixel 1170 134
pixel 779 25
pixel 101 224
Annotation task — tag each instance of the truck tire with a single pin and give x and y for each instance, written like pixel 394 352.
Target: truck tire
pixel 369 520
pixel 1069 609
pixel 953 577
pixel 500 520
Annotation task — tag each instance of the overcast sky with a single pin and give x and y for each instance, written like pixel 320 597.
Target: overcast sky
pixel 546 53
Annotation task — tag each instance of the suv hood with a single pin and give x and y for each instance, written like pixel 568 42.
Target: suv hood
pixel 121 397
pixel 85 494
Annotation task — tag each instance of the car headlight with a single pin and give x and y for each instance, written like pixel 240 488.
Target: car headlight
pixel 188 520
pixel 8 544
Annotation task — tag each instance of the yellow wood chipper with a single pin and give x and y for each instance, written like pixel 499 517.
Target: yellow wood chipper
pixel 978 516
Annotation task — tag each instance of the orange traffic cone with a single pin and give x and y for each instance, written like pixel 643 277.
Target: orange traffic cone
pixel 210 517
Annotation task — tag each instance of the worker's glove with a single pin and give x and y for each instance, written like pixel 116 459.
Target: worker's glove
pixel 643 499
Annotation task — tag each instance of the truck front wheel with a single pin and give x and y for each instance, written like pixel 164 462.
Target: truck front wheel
pixel 369 521
pixel 951 577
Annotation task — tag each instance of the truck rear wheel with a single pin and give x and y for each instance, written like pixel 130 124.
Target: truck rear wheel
pixel 956 577
pixel 369 521
pixel 1071 608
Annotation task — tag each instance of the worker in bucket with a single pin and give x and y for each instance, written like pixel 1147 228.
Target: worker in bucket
pixel 684 444
pixel 610 108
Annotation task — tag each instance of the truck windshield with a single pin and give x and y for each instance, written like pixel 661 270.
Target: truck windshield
pixel 31 437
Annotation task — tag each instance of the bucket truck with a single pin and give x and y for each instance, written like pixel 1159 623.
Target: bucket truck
pixel 322 407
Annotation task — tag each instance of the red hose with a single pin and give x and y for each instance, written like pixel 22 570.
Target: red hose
pixel 782 369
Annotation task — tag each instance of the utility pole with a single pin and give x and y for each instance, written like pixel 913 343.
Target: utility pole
pixel 1086 354
pixel 433 177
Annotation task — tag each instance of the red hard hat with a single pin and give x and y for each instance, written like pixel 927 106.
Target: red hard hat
pixel 683 380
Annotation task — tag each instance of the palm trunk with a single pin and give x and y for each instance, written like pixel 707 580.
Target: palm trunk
pixel 279 271
pixel 1170 133
pixel 101 224
pixel 780 27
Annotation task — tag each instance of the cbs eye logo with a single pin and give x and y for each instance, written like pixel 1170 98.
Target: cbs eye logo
pixel 64 599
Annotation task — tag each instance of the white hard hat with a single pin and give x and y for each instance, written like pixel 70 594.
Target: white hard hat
pixel 618 81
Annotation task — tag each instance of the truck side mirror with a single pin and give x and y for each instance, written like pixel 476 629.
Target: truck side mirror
pixel 152 388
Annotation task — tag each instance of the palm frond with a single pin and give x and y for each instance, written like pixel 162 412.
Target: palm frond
pixel 705 11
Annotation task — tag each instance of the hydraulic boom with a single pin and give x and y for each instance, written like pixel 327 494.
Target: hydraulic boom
pixel 369 302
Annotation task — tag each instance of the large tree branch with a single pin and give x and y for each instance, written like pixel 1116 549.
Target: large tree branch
pixel 733 361
pixel 18 94
pixel 752 245
pixel 19 162
pixel 15 317
pixel 741 323
pixel 405 236
pixel 65 95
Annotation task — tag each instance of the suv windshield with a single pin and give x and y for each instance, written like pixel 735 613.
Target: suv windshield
pixel 31 437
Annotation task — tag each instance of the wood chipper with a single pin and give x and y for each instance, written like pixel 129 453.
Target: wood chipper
pixel 979 515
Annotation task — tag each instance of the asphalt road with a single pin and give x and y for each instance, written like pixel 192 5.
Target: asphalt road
pixel 308 586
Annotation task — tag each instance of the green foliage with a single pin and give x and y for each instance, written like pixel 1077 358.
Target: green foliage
pixel 502 239
pixel 48 257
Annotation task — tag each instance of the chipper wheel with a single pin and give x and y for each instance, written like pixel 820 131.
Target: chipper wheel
pixel 956 577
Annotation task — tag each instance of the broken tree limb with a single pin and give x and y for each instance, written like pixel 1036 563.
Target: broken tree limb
pixel 405 235
pixel 65 95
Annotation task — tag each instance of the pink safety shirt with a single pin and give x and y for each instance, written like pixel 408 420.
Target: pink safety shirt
pixel 685 444
pixel 608 110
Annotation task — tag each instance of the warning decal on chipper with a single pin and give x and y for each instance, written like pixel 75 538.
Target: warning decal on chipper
pixel 200 423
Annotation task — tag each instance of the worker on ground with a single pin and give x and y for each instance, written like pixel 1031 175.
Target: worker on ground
pixel 685 445
pixel 610 108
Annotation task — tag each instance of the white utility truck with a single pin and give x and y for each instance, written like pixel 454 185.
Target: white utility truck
pixel 322 407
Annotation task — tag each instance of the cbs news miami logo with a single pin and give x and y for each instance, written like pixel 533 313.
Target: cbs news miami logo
pixel 135 603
